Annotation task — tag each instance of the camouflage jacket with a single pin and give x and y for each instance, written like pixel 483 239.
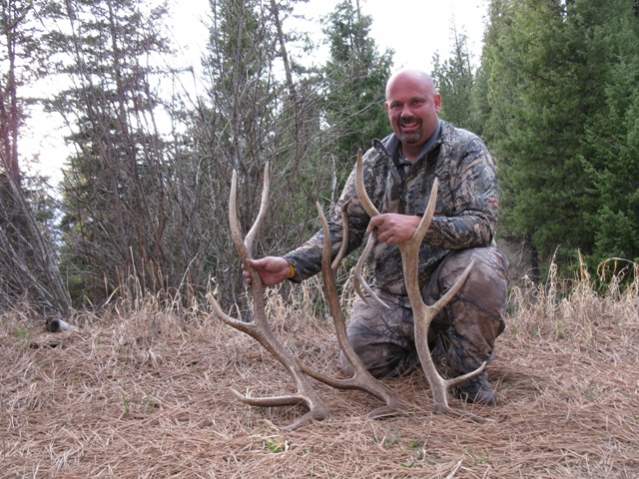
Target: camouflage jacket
pixel 465 215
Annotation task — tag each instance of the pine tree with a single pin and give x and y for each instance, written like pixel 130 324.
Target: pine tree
pixel 454 79
pixel 355 76
pixel 611 154
pixel 261 106
pixel 115 191
pixel 543 86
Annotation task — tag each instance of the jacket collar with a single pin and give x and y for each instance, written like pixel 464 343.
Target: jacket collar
pixel 391 146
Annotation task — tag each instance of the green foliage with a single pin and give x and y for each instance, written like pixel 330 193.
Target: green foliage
pixel 355 80
pixel 545 64
pixel 275 445
pixel 611 155
pixel 454 79
pixel 250 116
pixel 28 266
pixel 555 98
pixel 307 124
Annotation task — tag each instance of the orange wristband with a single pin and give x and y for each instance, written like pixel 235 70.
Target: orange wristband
pixel 291 271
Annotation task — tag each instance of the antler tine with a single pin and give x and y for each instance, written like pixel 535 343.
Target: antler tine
pixel 441 304
pixel 359 282
pixel 427 217
pixel 273 401
pixel 259 328
pixel 245 247
pixel 360 187
pixel 452 291
pixel 423 314
pixel 361 378
pixel 250 237
pixel 345 237
pixel 410 249
pixel 248 328
pixel 234 222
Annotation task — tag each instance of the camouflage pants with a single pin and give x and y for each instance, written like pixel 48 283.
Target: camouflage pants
pixel 461 337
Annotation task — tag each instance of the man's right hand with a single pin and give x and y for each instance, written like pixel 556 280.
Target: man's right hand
pixel 272 270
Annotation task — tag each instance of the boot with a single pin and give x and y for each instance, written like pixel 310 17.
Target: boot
pixel 477 390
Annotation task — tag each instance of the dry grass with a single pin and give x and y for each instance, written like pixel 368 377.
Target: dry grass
pixel 145 393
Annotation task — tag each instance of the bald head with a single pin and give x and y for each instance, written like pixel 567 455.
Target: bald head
pixel 417 76
pixel 412 105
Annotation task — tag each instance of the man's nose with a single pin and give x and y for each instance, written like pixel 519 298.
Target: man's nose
pixel 406 111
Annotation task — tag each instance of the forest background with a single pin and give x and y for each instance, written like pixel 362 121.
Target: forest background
pixel 143 207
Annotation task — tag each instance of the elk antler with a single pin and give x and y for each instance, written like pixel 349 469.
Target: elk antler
pixel 259 328
pixel 423 314
pixel 361 378
pixel 358 280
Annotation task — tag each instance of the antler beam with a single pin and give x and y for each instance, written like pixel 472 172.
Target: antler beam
pixel 359 282
pixel 361 379
pixel 423 314
pixel 259 328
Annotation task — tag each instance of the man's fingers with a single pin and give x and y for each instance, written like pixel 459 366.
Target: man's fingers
pixel 272 270
pixel 255 263
pixel 375 222
pixel 263 264
pixel 386 237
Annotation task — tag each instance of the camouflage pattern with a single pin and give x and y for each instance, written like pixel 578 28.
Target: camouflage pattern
pixel 465 215
pixel 463 335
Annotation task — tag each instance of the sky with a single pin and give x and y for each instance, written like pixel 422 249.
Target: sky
pixel 414 29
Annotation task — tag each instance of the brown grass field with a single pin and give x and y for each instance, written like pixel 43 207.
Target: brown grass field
pixel 143 391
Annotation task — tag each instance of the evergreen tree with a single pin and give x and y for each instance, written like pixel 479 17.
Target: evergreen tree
pixel 115 191
pixel 611 154
pixel 355 76
pixel 489 112
pixel 454 79
pixel 543 86
pixel 252 115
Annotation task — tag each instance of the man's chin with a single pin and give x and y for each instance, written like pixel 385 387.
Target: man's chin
pixel 409 139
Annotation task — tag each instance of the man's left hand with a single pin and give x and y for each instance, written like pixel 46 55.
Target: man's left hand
pixel 393 228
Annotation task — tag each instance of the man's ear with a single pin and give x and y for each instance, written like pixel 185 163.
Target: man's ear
pixel 386 106
pixel 438 102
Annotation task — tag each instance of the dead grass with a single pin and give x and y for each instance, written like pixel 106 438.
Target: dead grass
pixel 145 393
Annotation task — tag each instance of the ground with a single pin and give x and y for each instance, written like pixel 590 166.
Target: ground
pixel 144 392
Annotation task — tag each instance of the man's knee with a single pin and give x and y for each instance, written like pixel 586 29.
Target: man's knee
pixel 475 317
pixel 487 277
pixel 484 291
pixel 382 338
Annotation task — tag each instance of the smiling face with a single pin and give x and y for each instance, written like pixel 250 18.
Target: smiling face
pixel 412 106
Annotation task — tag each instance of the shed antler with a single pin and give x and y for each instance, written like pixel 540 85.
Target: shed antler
pixel 423 314
pixel 358 279
pixel 361 379
pixel 259 328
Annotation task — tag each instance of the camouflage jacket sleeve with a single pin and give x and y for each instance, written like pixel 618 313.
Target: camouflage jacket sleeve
pixel 307 258
pixel 475 202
